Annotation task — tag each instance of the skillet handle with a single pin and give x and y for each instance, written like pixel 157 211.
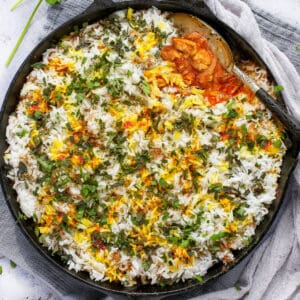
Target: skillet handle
pixel 291 124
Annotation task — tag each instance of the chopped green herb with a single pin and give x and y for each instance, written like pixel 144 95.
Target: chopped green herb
pixel 38 65
pixel 21 216
pixel 145 86
pixel 261 140
pixel 37 115
pixel 231 114
pixel 116 87
pixel 138 219
pixel 215 187
pixel 278 89
pixel 297 47
pixel 12 264
pixel 244 130
pixel 237 287
pixel 146 266
pixel 22 133
pixel 36 231
pixel 163 183
pixel 185 243
pixel 199 278
pixel 218 236
pixel 44 164
pixel 277 143
pixel 80 212
pixel 240 211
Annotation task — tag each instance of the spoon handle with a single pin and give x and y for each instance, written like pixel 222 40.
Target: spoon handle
pixel 291 124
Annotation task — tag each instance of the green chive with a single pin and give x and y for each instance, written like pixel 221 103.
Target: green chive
pixel 16 5
pixel 26 27
pixel 20 39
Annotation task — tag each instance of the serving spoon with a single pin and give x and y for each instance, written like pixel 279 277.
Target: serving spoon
pixel 188 24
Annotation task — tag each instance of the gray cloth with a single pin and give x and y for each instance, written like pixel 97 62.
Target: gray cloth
pixel 273 269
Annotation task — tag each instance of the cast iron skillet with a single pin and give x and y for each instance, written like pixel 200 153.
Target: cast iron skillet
pixel 100 9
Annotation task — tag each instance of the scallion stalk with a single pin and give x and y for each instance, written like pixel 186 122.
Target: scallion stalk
pixel 17 4
pixel 20 39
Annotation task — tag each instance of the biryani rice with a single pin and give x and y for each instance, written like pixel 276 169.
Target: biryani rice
pixel 130 173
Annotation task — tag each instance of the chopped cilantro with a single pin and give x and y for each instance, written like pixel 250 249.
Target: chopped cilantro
pixel 277 143
pixel 163 183
pixel 244 130
pixel 38 65
pixel 37 115
pixel 36 231
pixel 215 187
pixel 80 212
pixel 44 164
pixel 12 264
pixel 185 243
pixel 199 278
pixel 218 236
pixel 22 133
pixel 145 86
pixel 138 219
pixel 146 266
pixel 115 87
pixel 261 140
pixel 231 114
pixel 278 89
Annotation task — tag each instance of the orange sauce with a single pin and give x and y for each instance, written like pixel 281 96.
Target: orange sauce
pixel 200 67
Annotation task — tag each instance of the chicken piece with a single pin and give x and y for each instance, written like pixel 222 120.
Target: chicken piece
pixel 207 74
pixel 189 77
pixel 184 45
pixel 201 59
pixel 184 67
pixel 169 53
pixel 198 38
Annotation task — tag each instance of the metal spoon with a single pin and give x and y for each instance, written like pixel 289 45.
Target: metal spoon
pixel 188 24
